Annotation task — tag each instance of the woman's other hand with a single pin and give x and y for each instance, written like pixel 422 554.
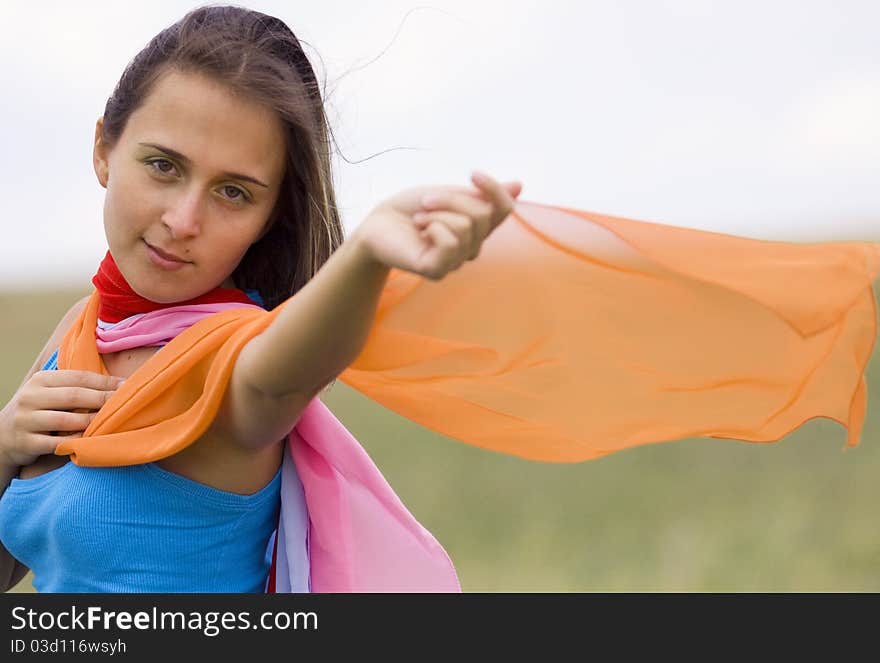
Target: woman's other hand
pixel 59 402
pixel 432 231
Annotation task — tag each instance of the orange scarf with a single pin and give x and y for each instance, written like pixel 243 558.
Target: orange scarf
pixel 573 335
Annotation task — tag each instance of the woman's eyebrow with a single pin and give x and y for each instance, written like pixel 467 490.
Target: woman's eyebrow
pixel 183 159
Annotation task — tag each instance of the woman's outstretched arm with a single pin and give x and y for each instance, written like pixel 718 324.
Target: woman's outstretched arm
pixel 320 331
pixel 324 327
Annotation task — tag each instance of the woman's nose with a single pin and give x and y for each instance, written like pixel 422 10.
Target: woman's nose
pixel 183 217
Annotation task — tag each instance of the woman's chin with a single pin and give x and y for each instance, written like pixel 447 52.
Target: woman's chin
pixel 155 292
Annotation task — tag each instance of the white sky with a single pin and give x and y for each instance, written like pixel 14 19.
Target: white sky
pixel 757 118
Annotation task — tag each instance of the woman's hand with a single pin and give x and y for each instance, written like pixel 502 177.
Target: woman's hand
pixel 433 230
pixel 61 401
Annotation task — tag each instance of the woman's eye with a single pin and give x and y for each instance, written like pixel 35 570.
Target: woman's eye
pixel 234 193
pixel 157 165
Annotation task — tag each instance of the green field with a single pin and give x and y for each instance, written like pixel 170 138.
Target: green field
pixel 802 514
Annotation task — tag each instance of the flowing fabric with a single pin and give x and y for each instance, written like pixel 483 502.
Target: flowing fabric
pixel 576 334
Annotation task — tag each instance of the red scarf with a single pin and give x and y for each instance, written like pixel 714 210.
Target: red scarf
pixel 119 301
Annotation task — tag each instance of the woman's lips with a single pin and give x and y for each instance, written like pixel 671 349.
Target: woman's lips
pixel 162 259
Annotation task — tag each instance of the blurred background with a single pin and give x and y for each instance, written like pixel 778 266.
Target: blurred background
pixel 752 118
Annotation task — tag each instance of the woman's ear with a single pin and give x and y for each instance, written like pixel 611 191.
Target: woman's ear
pixel 100 155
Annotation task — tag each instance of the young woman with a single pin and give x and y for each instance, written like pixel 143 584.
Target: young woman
pixel 558 335
pixel 214 153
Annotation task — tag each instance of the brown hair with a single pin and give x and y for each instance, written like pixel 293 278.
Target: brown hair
pixel 258 57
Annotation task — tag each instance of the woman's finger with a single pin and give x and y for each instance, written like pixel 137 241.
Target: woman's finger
pixel 445 254
pixel 478 210
pixel 72 378
pixel 514 188
pixel 466 229
pixel 42 445
pixel 72 398
pixel 54 420
pixel 501 199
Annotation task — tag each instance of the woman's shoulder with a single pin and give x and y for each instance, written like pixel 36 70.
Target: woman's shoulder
pixel 61 329
pixel 57 336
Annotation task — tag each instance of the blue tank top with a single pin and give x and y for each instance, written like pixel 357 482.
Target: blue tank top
pixel 137 528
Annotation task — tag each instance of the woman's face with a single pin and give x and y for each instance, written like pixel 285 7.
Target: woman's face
pixel 196 173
